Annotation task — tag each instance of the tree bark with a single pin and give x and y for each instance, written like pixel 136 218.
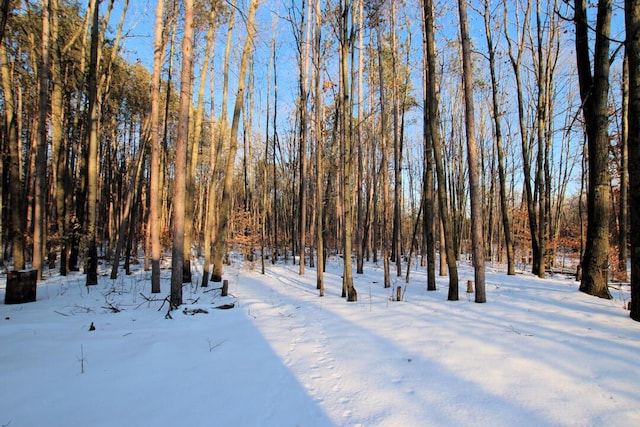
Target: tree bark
pixel 434 128
pixel 594 92
pixel 632 20
pixel 319 138
pixel 623 237
pixel 17 222
pixel 39 209
pixel 180 184
pixel 92 149
pixel 472 157
pixel 155 194
pixel 428 201
pixel 347 146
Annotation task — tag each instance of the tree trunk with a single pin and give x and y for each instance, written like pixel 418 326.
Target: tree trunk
pixel 39 209
pixel 428 201
pixel 434 128
pixel 92 150
pixel 632 19
pixel 504 208
pixel 225 206
pixel 347 153
pixel 594 92
pixel 472 157
pixel 180 183
pixel 319 137
pixel 516 64
pixel 384 164
pixel 303 50
pixel 155 193
pixel 623 237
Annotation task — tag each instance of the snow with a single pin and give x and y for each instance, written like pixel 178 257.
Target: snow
pixel 539 353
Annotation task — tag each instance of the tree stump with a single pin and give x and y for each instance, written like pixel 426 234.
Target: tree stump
pixel 21 286
pixel 470 286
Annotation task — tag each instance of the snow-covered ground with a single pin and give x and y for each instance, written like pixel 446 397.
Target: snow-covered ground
pixel 539 353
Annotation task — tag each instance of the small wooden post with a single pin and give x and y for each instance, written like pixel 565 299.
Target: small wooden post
pixel 399 293
pixel 225 288
pixel 21 286
pixel 469 286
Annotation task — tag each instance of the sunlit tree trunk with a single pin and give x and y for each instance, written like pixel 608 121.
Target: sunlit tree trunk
pixel 319 139
pixel 623 237
pixel 594 92
pixel 303 58
pixel 180 166
pixel 347 148
pixel 429 215
pixel 515 57
pixel 434 129
pixel 225 206
pixel 397 149
pixel 361 145
pixel 475 193
pixel 155 194
pixel 384 164
pixel 39 209
pixel 92 148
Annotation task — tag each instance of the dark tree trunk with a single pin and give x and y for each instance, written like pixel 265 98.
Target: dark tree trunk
pixel 594 92
pixel 632 13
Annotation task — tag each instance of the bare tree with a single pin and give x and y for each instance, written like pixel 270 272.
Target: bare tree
pixel 225 207
pixel 472 158
pixel 497 129
pixel 346 137
pixel 434 130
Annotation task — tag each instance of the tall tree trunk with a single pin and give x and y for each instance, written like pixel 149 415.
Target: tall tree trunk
pixel 427 180
pixel 319 139
pixel 225 206
pixel 346 136
pixel 180 183
pixel 40 207
pixel 18 244
pixel 155 193
pixel 623 237
pixel 92 149
pixel 361 146
pixel 594 92
pixel 632 19
pixel 434 128
pixel 397 150
pixel 384 164
pixel 477 240
pixel 303 57
pixel 516 64
pixel 497 129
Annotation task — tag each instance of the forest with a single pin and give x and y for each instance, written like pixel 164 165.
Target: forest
pixel 388 131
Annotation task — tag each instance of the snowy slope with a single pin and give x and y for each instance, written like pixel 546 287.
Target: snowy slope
pixel 539 353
